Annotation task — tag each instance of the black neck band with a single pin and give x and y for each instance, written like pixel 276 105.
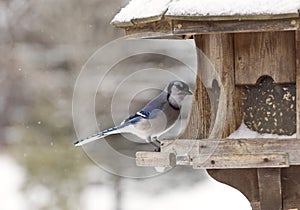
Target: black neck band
pixel 174 107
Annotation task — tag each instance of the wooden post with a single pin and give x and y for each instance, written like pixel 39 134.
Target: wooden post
pixel 269 181
pixel 199 119
pixel 290 180
pixel 297 58
pixel 291 187
pixel 218 49
pixel 199 116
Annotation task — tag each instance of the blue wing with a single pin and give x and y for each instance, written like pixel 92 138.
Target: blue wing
pixel 150 110
pixel 137 117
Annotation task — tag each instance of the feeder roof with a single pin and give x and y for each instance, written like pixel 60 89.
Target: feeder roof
pixel 153 10
pixel 188 17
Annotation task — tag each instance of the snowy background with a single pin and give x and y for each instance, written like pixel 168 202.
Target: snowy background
pixel 44 45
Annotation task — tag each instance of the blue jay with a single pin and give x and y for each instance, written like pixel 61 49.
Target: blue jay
pixel 156 118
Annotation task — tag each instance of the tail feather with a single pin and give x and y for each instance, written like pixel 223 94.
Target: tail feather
pixel 99 135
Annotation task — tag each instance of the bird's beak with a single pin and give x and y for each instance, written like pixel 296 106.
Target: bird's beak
pixel 189 92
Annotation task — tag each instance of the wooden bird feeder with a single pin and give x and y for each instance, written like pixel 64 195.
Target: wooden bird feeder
pixel 245 49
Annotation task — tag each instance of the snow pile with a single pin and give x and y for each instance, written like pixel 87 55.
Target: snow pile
pixel 244 132
pixel 208 194
pixel 141 9
pixel 231 7
pixel 12 177
pixel 97 198
pixel 205 194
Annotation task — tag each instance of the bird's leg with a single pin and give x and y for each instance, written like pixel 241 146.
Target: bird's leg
pixel 156 140
pixel 157 144
pixel 157 148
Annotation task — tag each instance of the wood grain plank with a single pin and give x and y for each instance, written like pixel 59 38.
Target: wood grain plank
pixel 240 161
pixel 255 205
pixel 291 187
pixel 233 26
pixel 163 27
pixel 297 66
pixel 208 147
pixel 269 181
pixel 216 73
pixel 155 159
pixel 233 161
pixel 199 118
pixel 267 53
pixel 169 26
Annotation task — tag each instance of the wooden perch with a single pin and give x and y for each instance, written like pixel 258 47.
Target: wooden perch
pixel 155 159
pixel 242 161
pixel 224 153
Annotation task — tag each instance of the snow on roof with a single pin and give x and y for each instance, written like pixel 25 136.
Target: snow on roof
pixel 139 9
pixel 231 7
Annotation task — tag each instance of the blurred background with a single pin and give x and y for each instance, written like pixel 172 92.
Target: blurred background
pixel 44 45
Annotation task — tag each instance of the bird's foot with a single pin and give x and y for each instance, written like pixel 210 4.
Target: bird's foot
pixel 156 150
pixel 155 139
pixel 157 146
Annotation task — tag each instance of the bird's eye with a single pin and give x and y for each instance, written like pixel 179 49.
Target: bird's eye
pixel 183 88
pixel 179 87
